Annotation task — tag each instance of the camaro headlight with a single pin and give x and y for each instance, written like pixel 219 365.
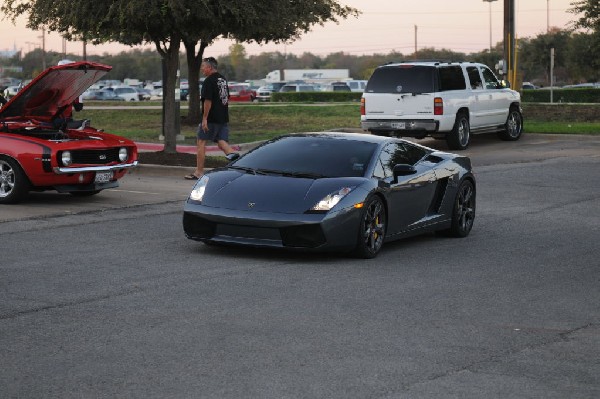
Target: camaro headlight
pixel 198 192
pixel 123 154
pixel 331 200
pixel 65 158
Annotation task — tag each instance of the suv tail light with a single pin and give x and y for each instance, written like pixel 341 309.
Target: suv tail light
pixel 438 106
pixel 362 106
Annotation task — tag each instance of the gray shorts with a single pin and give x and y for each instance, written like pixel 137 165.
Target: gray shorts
pixel 216 132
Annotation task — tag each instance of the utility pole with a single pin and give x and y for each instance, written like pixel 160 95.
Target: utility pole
pixel 547 16
pixel 43 37
pixel 551 75
pixel 415 42
pixel 509 42
pixel 490 1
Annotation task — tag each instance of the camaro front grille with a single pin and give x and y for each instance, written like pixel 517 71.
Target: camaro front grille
pixel 94 157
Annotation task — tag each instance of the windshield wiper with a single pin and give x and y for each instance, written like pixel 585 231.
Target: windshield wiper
pixel 307 175
pixel 245 169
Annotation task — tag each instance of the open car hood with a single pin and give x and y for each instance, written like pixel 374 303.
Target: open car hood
pixel 53 90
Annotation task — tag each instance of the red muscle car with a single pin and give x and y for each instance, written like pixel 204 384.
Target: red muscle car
pixel 241 92
pixel 42 148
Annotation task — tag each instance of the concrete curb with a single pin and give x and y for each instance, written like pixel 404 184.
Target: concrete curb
pixel 180 171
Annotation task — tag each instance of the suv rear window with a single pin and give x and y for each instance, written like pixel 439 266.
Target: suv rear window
pixel 402 79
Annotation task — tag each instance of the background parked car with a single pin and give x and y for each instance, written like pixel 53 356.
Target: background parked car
pixel 241 92
pixel 143 94
pixel 264 92
pixel 11 91
pixel 337 86
pixel 529 86
pixel 296 87
pixel 101 95
pixel 127 93
pixel 356 85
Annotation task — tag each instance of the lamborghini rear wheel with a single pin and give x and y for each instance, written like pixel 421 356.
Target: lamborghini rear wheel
pixel 372 228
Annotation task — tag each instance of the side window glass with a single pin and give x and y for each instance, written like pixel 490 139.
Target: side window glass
pixel 386 160
pixel 411 154
pixel 397 153
pixel 379 172
pixel 451 78
pixel 474 78
pixel 490 79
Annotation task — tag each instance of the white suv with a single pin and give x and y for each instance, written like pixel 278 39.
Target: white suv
pixel 445 100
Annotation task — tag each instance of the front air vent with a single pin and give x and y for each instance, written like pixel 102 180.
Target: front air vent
pixel 95 157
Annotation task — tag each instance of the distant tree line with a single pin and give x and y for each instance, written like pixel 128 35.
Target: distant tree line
pixel 574 61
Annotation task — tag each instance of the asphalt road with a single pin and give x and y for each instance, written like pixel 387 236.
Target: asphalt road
pixel 104 297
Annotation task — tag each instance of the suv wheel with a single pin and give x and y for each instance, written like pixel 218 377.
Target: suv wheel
pixel 459 137
pixel 513 126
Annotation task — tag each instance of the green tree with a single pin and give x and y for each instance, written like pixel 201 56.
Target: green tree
pixel 129 22
pixel 581 67
pixel 589 19
pixel 250 21
pixel 589 14
pixel 534 55
pixel 167 24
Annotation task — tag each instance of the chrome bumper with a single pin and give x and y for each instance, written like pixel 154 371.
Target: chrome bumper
pixel 67 170
pixel 409 125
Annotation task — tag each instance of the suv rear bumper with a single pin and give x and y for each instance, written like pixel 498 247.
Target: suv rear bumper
pixel 414 125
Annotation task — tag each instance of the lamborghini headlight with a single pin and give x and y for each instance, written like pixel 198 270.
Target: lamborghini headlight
pixel 198 192
pixel 331 200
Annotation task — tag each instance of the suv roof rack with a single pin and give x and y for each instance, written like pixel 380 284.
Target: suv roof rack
pixel 439 61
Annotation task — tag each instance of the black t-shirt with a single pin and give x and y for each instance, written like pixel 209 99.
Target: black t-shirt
pixel 215 89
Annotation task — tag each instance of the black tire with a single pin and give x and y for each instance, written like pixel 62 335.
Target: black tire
pixel 14 184
pixel 372 227
pixel 460 136
pixel 463 213
pixel 513 126
pixel 83 193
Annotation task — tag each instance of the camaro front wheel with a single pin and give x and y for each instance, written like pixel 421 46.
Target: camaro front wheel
pixel 372 228
pixel 14 185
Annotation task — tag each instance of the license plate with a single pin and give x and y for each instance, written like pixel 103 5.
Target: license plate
pixel 398 125
pixel 103 177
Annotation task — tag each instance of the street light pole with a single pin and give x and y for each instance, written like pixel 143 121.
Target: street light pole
pixel 490 1
pixel 547 16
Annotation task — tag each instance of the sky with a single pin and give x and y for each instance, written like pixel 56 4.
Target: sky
pixel 384 25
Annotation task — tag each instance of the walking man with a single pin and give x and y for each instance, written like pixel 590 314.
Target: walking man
pixel 215 116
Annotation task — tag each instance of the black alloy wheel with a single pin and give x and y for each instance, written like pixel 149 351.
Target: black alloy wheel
pixel 372 228
pixel 463 214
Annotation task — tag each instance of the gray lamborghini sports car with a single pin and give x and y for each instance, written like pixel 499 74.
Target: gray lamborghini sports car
pixel 332 191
